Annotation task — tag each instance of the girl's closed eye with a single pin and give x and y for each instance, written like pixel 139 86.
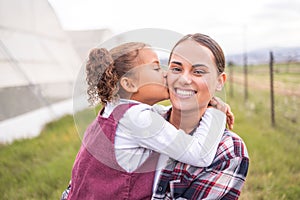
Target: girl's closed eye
pixel 157 68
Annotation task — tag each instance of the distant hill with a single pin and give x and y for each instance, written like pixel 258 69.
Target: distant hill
pixel 262 56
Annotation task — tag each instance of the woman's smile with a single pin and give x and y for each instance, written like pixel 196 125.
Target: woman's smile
pixel 184 93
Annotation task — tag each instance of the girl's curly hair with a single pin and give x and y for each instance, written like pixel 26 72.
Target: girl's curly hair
pixel 105 68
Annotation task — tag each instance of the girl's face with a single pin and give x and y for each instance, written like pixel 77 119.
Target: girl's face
pixel 149 78
pixel 192 76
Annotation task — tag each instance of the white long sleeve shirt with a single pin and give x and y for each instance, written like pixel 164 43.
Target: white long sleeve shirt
pixel 143 129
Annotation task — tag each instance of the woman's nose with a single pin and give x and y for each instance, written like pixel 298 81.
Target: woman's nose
pixel 185 79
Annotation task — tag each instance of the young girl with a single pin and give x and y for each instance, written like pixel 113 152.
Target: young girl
pixel 117 159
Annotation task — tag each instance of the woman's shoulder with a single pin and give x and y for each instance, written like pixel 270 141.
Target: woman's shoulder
pixel 231 146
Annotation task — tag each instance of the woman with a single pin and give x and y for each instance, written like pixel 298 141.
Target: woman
pixel 196 72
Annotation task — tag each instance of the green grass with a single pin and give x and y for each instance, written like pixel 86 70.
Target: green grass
pixel 40 168
pixel 274 171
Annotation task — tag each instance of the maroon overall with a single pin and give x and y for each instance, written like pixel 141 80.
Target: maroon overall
pixel 96 173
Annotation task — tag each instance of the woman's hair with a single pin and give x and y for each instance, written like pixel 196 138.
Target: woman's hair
pixel 211 44
pixel 105 68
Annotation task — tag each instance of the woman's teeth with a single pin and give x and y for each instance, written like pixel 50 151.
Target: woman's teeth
pixel 186 93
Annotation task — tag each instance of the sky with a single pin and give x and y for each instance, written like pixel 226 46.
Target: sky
pixel 237 25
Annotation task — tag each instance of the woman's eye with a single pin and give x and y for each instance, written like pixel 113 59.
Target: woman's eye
pixel 200 72
pixel 175 69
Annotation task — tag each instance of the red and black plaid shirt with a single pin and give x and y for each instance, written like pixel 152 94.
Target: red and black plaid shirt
pixel 223 179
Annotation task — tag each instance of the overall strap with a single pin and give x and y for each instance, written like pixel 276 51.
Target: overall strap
pixel 100 137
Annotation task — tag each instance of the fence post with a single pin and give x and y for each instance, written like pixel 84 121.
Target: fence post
pixel 230 66
pixel 246 77
pixel 272 89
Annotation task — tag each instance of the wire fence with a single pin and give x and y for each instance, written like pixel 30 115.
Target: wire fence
pixel 274 87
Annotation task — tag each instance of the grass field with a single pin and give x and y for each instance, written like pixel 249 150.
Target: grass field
pixel 275 164
pixel 40 168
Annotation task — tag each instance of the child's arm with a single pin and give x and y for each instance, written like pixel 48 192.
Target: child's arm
pixel 208 120
pixel 224 107
pixel 152 131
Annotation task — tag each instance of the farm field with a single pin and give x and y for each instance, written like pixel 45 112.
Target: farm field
pixel 40 168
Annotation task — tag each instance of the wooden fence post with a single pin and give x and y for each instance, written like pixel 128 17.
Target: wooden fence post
pixel 272 89
pixel 230 66
pixel 245 77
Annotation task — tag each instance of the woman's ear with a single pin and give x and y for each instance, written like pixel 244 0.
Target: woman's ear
pixel 128 85
pixel 221 80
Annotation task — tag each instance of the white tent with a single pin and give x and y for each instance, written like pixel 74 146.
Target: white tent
pixel 38 66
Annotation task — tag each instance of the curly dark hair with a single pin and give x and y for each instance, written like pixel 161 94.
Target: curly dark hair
pixel 105 68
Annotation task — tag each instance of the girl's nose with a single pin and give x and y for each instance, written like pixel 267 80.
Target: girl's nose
pixel 165 73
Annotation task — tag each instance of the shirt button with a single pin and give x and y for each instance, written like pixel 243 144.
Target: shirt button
pixel 160 188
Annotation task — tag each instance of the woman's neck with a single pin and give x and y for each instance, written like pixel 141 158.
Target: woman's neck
pixel 186 120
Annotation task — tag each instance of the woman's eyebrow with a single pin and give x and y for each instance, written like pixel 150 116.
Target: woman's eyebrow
pixel 177 63
pixel 193 66
pixel 199 65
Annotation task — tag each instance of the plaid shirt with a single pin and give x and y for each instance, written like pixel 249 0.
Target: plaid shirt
pixel 223 179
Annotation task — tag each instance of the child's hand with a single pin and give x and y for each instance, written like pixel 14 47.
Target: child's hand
pixel 224 107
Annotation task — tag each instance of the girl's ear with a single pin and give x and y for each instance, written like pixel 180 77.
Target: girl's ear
pixel 128 85
pixel 221 80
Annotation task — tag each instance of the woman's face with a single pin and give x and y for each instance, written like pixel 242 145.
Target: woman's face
pixel 149 78
pixel 192 76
